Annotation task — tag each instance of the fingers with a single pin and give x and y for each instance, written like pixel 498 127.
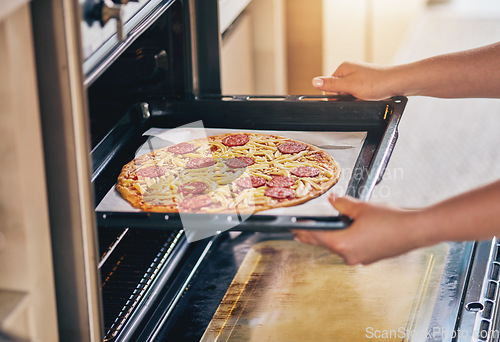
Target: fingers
pixel 346 205
pixel 305 236
pixel 336 83
pixel 329 84
pixel 331 240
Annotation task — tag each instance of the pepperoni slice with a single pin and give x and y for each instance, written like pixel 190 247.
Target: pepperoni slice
pixel 239 162
pixel 291 147
pixel 236 163
pixel 152 171
pixel 244 182
pixel 198 163
pixel 235 140
pixel 247 160
pixel 196 202
pixel 193 188
pixel 279 193
pixel 305 171
pixel 257 181
pixel 250 182
pixel 182 148
pixel 281 182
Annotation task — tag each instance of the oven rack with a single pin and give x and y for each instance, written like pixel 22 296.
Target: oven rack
pixel 131 271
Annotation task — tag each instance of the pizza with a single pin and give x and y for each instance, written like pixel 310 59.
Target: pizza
pixel 227 173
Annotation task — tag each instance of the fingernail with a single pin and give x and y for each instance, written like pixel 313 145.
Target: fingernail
pixel 318 82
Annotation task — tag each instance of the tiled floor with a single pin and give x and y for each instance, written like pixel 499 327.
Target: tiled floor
pixel 445 146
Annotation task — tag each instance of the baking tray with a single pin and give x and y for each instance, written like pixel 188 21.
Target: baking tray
pixel 378 119
pixel 344 147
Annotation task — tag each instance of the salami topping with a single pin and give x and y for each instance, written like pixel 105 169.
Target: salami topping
pixel 305 171
pixel 247 160
pixel 250 182
pixel 257 181
pixel 239 162
pixel 281 182
pixel 182 148
pixel 235 140
pixel 291 147
pixel 244 182
pixel 246 170
pixel 193 188
pixel 236 163
pixel 198 163
pixel 279 193
pixel 151 171
pixel 197 202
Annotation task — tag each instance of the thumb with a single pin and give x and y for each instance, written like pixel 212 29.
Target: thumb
pixel 346 205
pixel 329 84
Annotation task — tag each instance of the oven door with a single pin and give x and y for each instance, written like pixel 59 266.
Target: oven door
pixel 252 285
pixel 66 143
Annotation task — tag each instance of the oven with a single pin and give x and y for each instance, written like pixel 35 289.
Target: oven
pixel 125 275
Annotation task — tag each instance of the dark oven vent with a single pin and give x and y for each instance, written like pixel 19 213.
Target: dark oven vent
pixel 129 269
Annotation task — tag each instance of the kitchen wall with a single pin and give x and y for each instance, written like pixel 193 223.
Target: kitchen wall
pixel 253 59
pixel 366 30
pixel 287 42
pixel 304 38
pixel 27 296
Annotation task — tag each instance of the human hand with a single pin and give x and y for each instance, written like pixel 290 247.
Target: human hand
pixel 364 81
pixel 377 232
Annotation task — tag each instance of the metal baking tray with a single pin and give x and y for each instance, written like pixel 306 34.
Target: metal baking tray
pixel 378 119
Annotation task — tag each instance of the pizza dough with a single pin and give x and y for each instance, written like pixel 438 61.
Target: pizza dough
pixel 227 173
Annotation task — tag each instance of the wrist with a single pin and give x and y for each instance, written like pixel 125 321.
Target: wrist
pixel 424 228
pixel 402 81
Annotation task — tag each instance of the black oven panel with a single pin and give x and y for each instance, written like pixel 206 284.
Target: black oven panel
pixel 109 27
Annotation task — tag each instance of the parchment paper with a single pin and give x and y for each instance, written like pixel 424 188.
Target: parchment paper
pixel 343 146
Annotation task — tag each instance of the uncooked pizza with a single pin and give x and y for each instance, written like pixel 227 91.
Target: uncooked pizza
pixel 227 173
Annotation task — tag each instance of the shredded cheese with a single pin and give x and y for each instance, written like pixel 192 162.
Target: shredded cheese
pixel 221 179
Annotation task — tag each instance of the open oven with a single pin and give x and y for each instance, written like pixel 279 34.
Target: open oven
pixel 124 275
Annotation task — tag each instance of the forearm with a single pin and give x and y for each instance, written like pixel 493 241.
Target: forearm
pixel 471 73
pixel 474 215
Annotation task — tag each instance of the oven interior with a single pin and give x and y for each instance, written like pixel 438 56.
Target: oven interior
pixel 156 285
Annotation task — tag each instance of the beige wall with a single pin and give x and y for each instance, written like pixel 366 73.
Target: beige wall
pixel 366 30
pixel 304 44
pixel 27 298
pixel 269 46
pixel 253 56
pixel 283 44
pixel 321 34
pixel 237 60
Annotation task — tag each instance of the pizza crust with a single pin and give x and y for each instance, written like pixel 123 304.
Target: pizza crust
pixel 157 189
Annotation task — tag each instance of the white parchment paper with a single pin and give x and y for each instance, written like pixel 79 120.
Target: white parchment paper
pixel 343 146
